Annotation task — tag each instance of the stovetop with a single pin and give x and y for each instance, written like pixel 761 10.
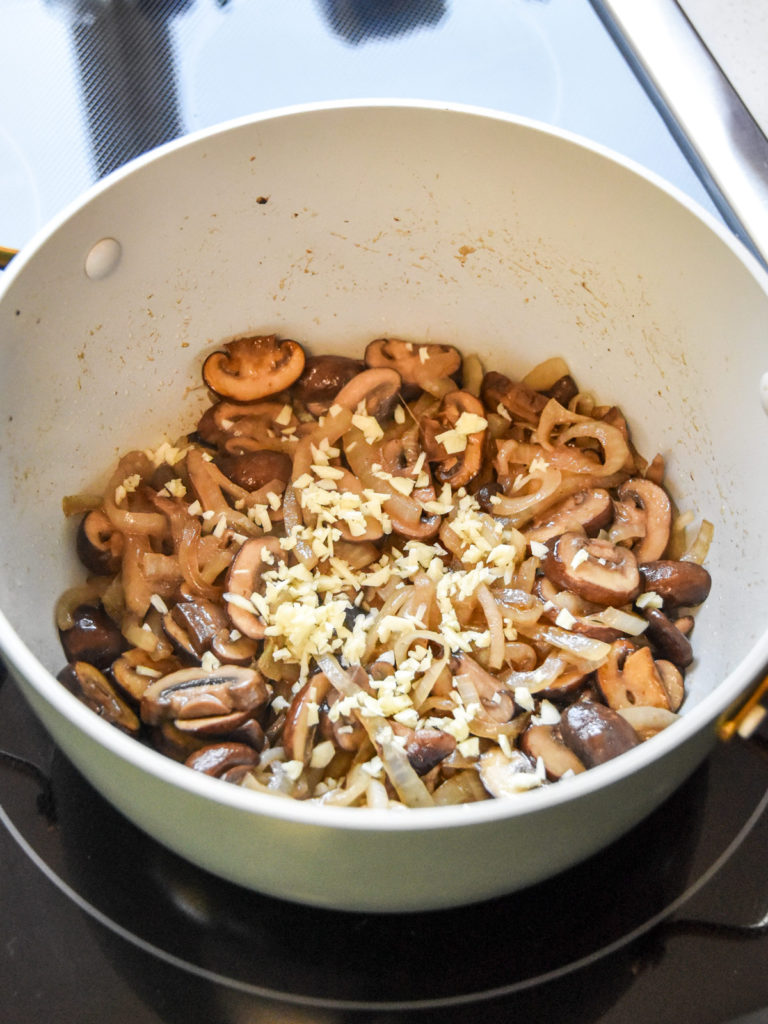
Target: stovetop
pixel 100 923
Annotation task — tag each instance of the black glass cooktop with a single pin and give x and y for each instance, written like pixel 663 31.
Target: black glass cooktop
pixel 99 923
pixel 669 923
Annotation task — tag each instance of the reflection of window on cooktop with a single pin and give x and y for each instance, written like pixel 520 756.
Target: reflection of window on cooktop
pixel 356 21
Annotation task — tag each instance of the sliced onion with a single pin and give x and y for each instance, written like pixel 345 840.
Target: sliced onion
pixel 401 773
pixel 583 648
pixel 699 549
pixel 84 593
pixel 615 448
pixel 495 626
pixel 338 677
pixel 646 720
pixel 546 373
pixel 462 788
pixel 124 520
pixel 627 622
pixel 538 678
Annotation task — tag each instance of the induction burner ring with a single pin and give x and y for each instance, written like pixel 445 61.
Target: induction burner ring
pixel 326 1002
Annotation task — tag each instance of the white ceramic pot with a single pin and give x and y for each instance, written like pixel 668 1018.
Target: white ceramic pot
pixel 336 224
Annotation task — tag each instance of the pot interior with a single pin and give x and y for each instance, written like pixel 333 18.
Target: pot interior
pixel 339 225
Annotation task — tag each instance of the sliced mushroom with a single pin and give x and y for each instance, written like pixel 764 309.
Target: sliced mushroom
pixel 92 687
pixel 377 389
pixel 199 625
pixel 194 694
pixel 545 742
pixel 679 584
pixel 667 639
pixel 250 563
pixel 425 528
pixel 672 678
pixel 303 717
pixel 563 390
pixel 454 439
pixel 630 676
pixel 93 637
pixel 135 669
pixel 99 545
pixel 595 733
pixel 657 509
pixel 246 426
pixel 403 456
pixel 497 703
pixel 520 401
pixel 254 470
pixel 589 510
pixel 426 748
pixel 226 761
pixel 419 365
pixel 253 367
pixel 593 568
pixel 322 379
pixel 363 528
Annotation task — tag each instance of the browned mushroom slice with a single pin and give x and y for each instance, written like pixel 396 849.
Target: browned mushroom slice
pixel 253 367
pixel 303 717
pixel 323 378
pixel 135 669
pixel 425 528
pixel 423 366
pixel 519 400
pixel 563 390
pixel 593 568
pixel 657 509
pixel 227 761
pixel 377 389
pixel 99 545
pixel 595 733
pixel 672 678
pixel 545 742
pixel 454 439
pixel 426 748
pixel 214 725
pixel 589 510
pixel 254 470
pixel 244 579
pixel 667 639
pixel 472 680
pixel 93 637
pixel 679 584
pixel 246 426
pixel 199 625
pixel 631 677
pixel 192 693
pixel 92 687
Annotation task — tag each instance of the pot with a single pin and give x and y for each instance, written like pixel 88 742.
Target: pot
pixel 335 224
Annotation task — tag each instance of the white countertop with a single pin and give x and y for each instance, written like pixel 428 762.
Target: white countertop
pixel 736 34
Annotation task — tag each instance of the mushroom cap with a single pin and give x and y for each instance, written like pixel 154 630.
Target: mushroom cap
pixel 415 363
pixel 457 468
pixel 590 510
pixel 605 573
pixel 253 367
pixel 657 508
pixel 596 733
pixel 678 583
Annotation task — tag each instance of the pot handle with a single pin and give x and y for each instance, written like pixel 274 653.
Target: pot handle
pixel 746 719
pixel 6 255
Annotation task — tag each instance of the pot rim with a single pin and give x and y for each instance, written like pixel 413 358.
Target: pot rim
pixel 700 717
